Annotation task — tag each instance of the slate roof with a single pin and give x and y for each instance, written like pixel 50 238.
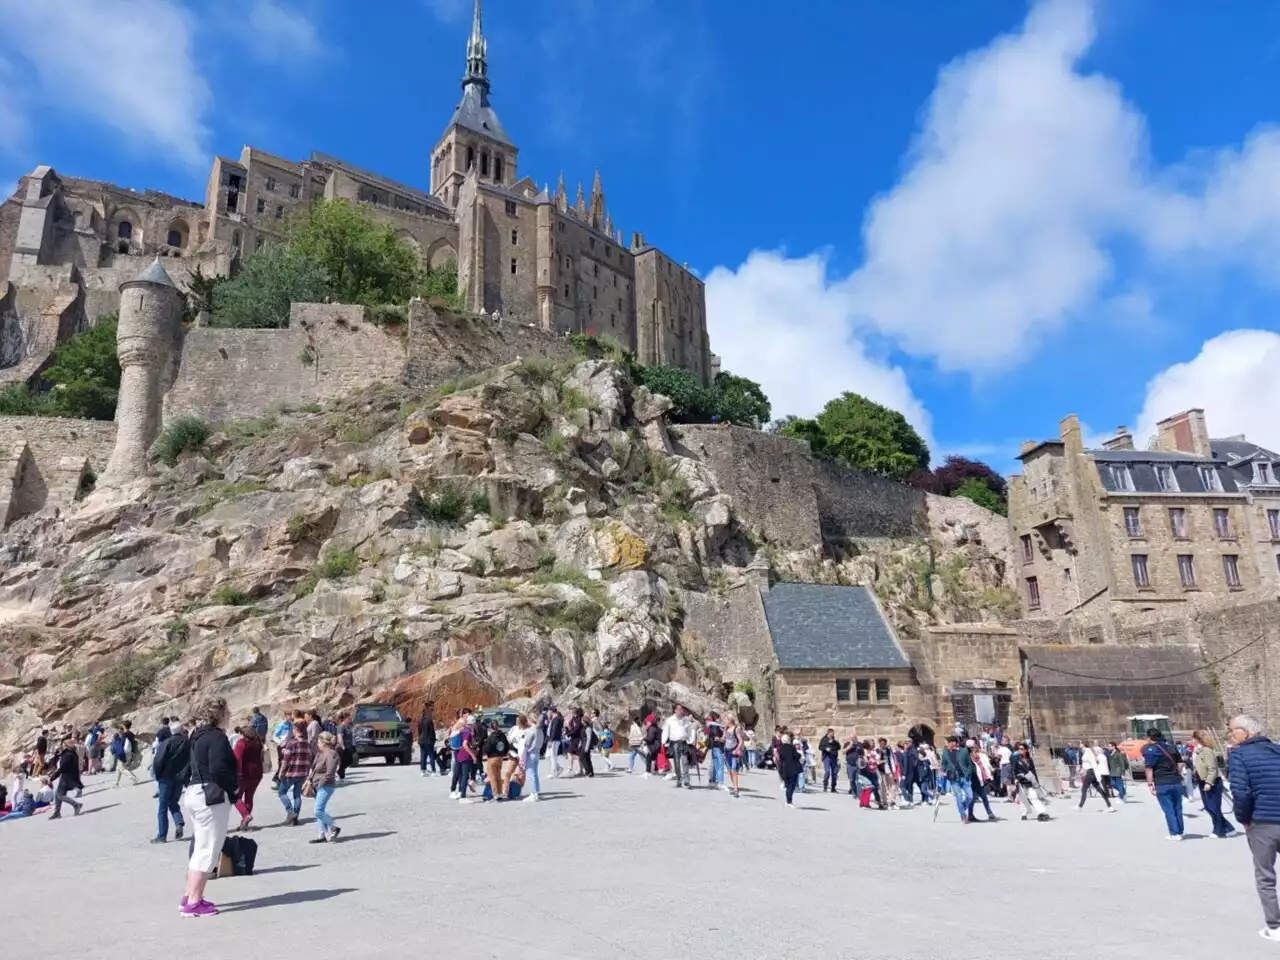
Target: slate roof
pixel 474 113
pixel 822 627
pixel 155 273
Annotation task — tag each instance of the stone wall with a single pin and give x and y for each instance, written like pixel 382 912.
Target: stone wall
pixel 1157 679
pixel 806 701
pixel 792 499
pixel 729 632
pixel 443 346
pixel 966 659
pixel 43 460
pixel 327 350
pixel 40 317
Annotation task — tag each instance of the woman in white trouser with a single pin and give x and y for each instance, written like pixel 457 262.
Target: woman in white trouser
pixel 1028 785
pixel 206 801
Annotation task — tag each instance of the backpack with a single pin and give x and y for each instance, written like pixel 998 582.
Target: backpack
pixel 455 741
pixel 117 747
pixel 502 745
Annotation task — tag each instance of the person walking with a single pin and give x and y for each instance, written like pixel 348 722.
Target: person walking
pixel 321 782
pixel 1207 762
pixel 790 768
pixel 957 764
pixel 733 751
pixel 427 739
pixel 66 771
pixel 751 748
pixel 652 743
pixel 250 752
pixel 295 763
pixel 1094 773
pixel 169 767
pixel 466 758
pixel 979 781
pixel 346 744
pixel 124 747
pixel 1255 794
pixel 714 732
pixel 635 744
pixel 1164 779
pixel 555 740
pixel 675 737
pixel 529 745
pixel 1071 757
pixel 314 728
pixel 1023 769
pixel 206 801
pixel 829 747
pixel 42 753
pixel 1118 770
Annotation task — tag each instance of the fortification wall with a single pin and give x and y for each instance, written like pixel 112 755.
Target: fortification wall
pixel 796 500
pixel 443 346
pixel 41 315
pixel 327 350
pixel 729 631
pixel 43 460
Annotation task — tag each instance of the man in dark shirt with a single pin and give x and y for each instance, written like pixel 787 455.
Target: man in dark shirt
pixel 169 767
pixel 1164 779
pixel 958 767
pixel 555 739
pixel 829 747
pixel 427 739
pixel 68 777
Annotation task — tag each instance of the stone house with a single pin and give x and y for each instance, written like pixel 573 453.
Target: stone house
pixel 1118 531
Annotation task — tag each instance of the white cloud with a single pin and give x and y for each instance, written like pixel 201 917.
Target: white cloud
pixel 1233 378
pixel 782 323
pixel 449 11
pixel 128 64
pixel 281 34
pixel 13 122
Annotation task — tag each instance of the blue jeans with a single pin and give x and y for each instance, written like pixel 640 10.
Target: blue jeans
pixel 169 791
pixel 323 821
pixel 631 759
pixel 753 757
pixel 1169 796
pixel 717 765
pixel 851 769
pixel 426 757
pixel 531 776
pixel 283 788
pixel 1212 797
pixel 962 790
pixel 1118 785
pixel 830 772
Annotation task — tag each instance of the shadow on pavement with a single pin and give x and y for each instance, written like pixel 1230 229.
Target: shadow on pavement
pixel 289 868
pixel 107 806
pixel 347 816
pixel 558 796
pixel 283 899
pixel 377 835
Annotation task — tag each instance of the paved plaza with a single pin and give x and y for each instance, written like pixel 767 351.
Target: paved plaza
pixel 621 867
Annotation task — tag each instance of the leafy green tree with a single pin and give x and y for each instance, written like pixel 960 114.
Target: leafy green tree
pixel 17 401
pixel 981 494
pixel 86 374
pixel 442 282
pixel 739 400
pixel 363 258
pixel 860 433
pixel 269 281
pixel 691 401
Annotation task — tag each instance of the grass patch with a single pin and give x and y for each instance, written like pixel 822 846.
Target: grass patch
pixel 312 408
pixel 70 674
pixel 377 592
pixel 556 443
pixel 360 432
pixel 581 615
pixel 445 503
pixel 177 630
pixel 479 502
pixel 537 370
pixel 183 434
pixel 133 676
pixel 574 577
pixel 339 564
pixel 229 595
pixel 245 431
pixel 306 586
pixel 547 561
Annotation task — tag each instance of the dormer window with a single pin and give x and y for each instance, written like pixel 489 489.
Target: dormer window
pixel 1209 477
pixel 1121 478
pixel 1263 473
pixel 1165 479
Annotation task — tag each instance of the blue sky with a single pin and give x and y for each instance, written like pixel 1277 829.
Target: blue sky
pixel 986 215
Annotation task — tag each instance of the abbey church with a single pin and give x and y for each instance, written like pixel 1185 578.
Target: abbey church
pixel 529 255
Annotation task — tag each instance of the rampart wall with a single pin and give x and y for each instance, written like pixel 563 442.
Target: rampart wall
pixel 43 461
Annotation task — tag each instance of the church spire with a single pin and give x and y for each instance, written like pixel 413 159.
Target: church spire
pixel 597 202
pixel 477 55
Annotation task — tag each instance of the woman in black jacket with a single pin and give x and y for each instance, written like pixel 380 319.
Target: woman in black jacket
pixel 652 742
pixel 206 801
pixel 789 766
pixel 67 772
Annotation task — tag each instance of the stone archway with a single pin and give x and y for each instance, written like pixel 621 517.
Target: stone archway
pixel 178 234
pixel 440 253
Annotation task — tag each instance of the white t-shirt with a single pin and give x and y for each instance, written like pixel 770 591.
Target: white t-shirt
pixel 1004 754
pixel 674 730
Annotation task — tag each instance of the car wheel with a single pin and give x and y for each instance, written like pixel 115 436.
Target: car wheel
pixel 390 759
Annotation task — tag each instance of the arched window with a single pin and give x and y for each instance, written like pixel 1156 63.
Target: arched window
pixel 124 230
pixel 484 163
pixel 175 238
pixel 497 168
pixel 471 157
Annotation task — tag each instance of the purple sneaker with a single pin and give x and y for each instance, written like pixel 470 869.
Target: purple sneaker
pixel 202 909
pixel 183 905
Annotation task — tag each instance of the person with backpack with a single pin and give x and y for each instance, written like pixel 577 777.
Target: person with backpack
pixel 206 801
pixel 1255 794
pixel 496 750
pixel 790 767
pixel 169 767
pixel 734 748
pixel 67 772
pixel 1117 770
pixel 427 739
pixel 93 745
pixel 602 738
pixel 124 747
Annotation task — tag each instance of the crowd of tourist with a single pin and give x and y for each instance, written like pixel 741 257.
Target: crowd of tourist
pixel 203 768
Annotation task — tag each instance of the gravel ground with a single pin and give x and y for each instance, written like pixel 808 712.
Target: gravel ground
pixel 622 867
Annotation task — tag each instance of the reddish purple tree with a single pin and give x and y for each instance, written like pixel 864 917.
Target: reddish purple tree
pixel 956 470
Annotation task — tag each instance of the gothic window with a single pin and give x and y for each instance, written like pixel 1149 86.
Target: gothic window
pixel 497 168
pixel 175 238
pixel 279 213
pixel 471 157
pixel 484 163
pixel 124 230
pixel 595 269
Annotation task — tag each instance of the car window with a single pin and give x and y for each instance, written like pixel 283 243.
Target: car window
pixel 377 715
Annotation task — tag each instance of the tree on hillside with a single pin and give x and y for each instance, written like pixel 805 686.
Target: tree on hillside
pixel 442 282
pixel 85 379
pixel 690 400
pixel 739 400
pixel 962 477
pixel 363 258
pixel 269 281
pixel 860 433
pixel 981 494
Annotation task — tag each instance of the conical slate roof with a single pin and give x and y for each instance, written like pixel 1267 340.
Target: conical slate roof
pixel 155 273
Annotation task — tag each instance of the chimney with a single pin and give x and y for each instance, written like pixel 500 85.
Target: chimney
pixel 1123 440
pixel 1069 431
pixel 1184 432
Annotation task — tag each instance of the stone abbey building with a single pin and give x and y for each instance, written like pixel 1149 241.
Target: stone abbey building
pixel 530 254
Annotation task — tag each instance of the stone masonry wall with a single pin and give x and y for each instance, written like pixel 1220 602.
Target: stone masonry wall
pixel 807 704
pixel 793 499
pixel 442 346
pixel 958 659
pixel 42 460
pixel 327 350
pixel 730 632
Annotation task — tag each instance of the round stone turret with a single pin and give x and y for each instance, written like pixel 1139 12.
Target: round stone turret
pixel 146 336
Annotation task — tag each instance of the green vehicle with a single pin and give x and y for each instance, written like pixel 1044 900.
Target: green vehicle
pixel 380 730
